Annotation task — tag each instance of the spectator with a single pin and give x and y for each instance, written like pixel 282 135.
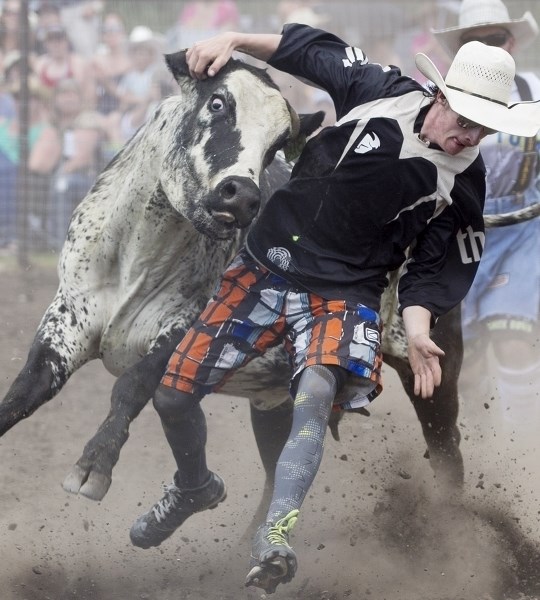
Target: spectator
pixel 44 153
pixel 134 90
pixel 60 63
pixel 299 11
pixel 48 15
pixel 10 33
pixel 9 29
pixel 161 85
pixel 121 127
pixel 7 102
pixel 8 191
pixel 82 19
pixel 81 132
pixel 111 63
pixel 501 311
pixel 415 35
pixel 134 86
pixel 200 19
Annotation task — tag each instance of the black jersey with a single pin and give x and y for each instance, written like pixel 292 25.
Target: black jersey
pixel 367 189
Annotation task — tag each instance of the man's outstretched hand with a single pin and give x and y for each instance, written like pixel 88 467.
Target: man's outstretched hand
pixel 424 360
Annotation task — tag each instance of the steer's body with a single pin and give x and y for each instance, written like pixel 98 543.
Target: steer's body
pixel 147 244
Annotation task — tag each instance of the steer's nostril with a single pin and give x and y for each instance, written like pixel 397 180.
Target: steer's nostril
pixel 229 190
pixel 236 200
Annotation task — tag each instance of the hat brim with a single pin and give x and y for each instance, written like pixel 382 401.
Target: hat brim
pixel 523 30
pixel 522 119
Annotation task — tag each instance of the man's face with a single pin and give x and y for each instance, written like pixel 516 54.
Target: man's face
pixel 142 56
pixel 492 35
pixel 445 130
pixel 57 45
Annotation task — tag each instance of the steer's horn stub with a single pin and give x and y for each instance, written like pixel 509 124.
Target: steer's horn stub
pixel 302 126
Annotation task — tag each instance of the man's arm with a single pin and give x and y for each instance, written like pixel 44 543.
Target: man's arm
pixel 423 352
pixel 207 57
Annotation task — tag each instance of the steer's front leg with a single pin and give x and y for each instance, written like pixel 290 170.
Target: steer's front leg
pixel 91 476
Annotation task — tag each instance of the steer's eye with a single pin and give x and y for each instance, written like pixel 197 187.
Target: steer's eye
pixel 217 104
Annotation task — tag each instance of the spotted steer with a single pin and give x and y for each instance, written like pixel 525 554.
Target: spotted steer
pixel 145 248
pixel 147 244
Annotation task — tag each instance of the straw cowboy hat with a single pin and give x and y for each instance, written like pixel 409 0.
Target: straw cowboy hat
pixel 474 14
pixel 144 36
pixel 307 16
pixel 478 86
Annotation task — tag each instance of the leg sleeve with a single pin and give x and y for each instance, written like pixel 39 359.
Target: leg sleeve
pixel 301 457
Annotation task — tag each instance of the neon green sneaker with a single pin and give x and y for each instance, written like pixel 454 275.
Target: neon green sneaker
pixel 273 561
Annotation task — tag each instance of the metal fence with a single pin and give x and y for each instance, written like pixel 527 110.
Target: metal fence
pixel 76 83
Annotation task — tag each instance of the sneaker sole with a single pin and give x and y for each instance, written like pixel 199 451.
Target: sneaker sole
pixel 218 502
pixel 270 574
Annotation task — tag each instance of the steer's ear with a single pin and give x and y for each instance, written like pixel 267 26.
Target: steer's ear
pixel 305 125
pixel 177 65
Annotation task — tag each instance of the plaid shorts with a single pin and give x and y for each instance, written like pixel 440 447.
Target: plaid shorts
pixel 254 310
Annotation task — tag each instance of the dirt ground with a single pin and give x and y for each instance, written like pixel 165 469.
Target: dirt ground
pixel 372 528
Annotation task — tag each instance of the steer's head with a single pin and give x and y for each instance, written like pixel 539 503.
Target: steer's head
pixel 226 130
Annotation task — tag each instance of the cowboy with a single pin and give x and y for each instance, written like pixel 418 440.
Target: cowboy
pixel 401 167
pixel 502 309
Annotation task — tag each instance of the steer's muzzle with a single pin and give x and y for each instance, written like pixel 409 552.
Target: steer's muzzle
pixel 235 201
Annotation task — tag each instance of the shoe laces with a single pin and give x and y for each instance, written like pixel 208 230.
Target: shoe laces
pixel 169 502
pixel 277 534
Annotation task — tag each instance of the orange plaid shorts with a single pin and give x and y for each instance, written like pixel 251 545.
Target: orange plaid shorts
pixel 254 310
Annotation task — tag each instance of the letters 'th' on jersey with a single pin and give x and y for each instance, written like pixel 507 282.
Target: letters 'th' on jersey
pixel 367 189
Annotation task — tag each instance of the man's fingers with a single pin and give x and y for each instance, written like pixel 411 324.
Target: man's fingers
pixel 216 65
pixel 424 385
pixel 197 62
pixel 197 67
pixel 424 360
pixel 417 385
pixel 201 67
pixel 427 379
pixel 437 375
pixel 207 57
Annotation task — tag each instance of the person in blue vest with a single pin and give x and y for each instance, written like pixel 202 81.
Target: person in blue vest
pixel 502 309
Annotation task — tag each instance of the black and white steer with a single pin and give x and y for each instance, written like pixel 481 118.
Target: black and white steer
pixel 147 244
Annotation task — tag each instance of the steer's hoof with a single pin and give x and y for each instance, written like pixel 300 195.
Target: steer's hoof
pixel 93 485
pixel 74 480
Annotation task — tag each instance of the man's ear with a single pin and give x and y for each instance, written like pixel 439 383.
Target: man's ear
pixel 441 99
